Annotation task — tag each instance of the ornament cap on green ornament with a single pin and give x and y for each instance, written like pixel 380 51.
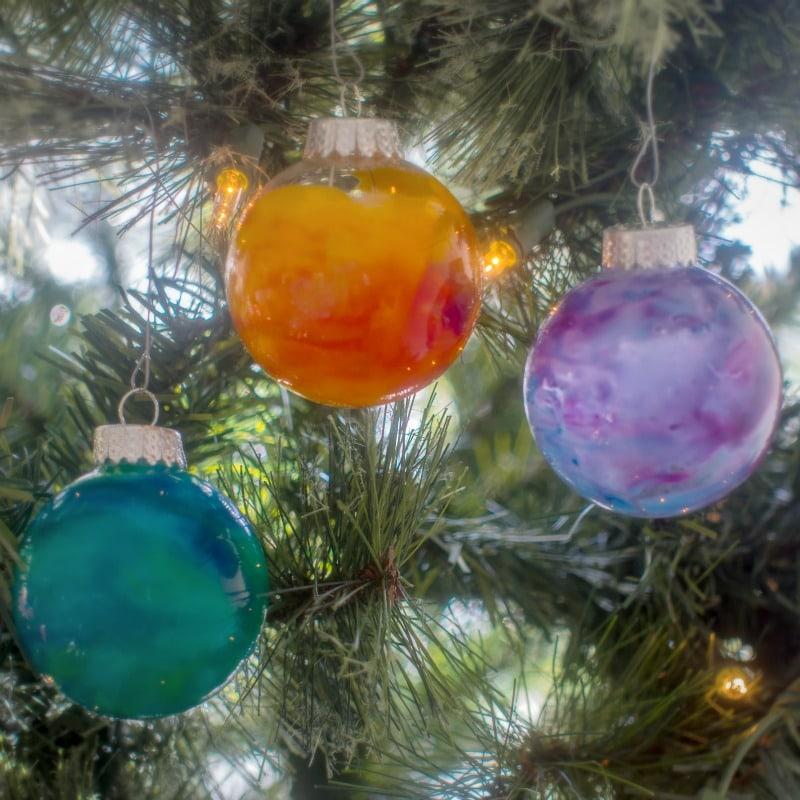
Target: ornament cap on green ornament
pixel 117 444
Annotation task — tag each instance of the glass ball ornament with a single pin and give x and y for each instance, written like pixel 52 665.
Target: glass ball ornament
pixel 354 277
pixel 140 587
pixel 654 388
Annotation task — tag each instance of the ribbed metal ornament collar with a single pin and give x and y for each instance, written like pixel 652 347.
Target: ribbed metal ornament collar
pixel 345 137
pixel 132 444
pixel 651 247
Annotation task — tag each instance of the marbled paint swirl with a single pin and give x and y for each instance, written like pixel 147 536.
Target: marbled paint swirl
pixel 140 590
pixel 656 392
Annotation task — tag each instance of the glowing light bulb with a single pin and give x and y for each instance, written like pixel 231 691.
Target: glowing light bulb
pixel 231 185
pixel 499 256
pixel 733 683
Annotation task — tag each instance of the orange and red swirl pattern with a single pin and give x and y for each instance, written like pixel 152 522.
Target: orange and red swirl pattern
pixel 355 292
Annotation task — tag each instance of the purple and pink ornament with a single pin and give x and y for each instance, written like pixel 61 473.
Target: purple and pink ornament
pixel 654 388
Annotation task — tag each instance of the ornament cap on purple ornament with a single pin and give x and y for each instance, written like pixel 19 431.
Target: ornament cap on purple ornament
pixel 653 391
pixel 656 246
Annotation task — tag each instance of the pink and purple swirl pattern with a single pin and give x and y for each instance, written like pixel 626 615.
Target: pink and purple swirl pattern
pixel 654 392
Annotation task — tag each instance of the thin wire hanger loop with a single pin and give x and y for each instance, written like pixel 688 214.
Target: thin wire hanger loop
pixel 141 368
pixel 345 85
pixel 649 143
pixel 138 390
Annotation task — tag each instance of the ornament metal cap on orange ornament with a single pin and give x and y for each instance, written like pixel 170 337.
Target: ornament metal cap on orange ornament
pixel 340 137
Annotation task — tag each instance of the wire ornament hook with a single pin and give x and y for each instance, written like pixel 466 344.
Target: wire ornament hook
pixel 345 85
pixel 138 390
pixel 649 142
pixel 142 365
pixel 654 213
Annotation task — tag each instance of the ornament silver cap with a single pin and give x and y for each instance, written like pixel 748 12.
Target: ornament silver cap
pixel 652 247
pixel 115 444
pixel 344 137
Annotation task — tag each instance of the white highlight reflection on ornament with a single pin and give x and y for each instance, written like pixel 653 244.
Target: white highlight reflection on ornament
pixel 72 261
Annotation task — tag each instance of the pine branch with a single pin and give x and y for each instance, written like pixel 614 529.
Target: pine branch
pixel 353 655
pixel 638 717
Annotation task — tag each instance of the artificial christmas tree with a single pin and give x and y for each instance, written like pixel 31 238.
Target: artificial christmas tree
pixel 445 619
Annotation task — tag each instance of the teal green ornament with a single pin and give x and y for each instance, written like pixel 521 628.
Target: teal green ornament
pixel 140 588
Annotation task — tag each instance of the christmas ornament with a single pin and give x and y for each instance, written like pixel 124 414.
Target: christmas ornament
pixel 354 276
pixel 654 388
pixel 140 588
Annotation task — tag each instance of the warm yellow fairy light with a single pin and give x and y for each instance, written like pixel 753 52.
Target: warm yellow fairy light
pixel 231 180
pixel 231 184
pixel 499 256
pixel 733 683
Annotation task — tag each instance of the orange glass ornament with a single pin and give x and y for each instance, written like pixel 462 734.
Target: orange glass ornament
pixel 354 277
